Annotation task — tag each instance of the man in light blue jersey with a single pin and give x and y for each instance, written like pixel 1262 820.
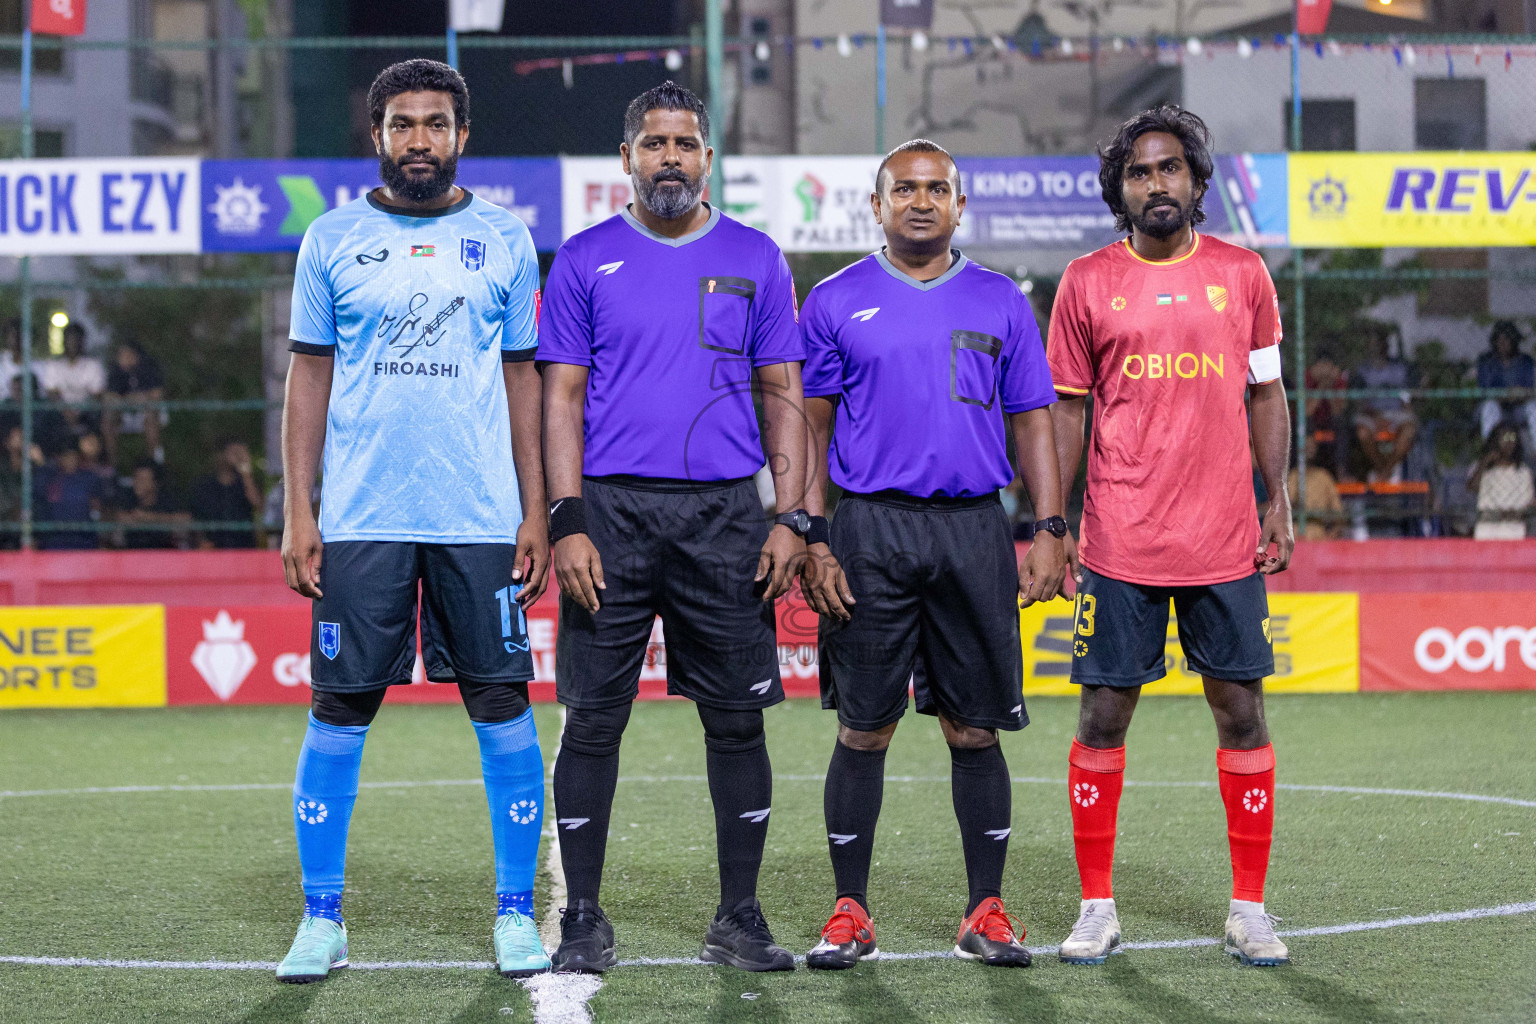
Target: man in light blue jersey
pixel 413 335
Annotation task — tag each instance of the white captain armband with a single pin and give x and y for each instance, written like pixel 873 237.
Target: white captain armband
pixel 1264 365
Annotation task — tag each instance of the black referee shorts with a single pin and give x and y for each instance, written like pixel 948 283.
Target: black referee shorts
pixel 364 628
pixel 686 551
pixel 1120 635
pixel 937 592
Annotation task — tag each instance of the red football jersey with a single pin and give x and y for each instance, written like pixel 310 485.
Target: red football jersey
pixel 1164 347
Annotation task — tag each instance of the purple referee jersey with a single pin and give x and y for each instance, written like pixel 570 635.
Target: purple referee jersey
pixel 923 371
pixel 671 330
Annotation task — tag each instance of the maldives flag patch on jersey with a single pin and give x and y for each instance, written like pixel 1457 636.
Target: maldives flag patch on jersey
pixel 423 250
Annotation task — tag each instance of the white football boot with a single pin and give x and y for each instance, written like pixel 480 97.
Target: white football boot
pixel 1095 936
pixel 1251 936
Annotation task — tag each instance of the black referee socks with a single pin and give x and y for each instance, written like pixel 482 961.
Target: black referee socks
pixel 855 788
pixel 983 795
pixel 741 787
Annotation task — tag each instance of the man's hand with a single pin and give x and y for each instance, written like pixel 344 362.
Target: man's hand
pixel 1074 564
pixel 825 585
pixel 1042 570
pixel 530 565
pixel 783 553
pixel 1277 530
pixel 579 570
pixel 301 554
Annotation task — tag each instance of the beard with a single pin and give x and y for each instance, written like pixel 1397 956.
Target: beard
pixel 414 186
pixel 1162 227
pixel 668 203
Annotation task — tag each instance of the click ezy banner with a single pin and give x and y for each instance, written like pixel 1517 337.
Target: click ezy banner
pixel 1412 199
pixel 100 207
pixel 1316 641
pixel 86 656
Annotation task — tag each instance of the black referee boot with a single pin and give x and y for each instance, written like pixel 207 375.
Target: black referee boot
pixel 741 939
pixel 586 940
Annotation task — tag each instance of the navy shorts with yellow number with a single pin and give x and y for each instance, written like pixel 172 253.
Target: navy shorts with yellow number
pixel 364 628
pixel 1121 632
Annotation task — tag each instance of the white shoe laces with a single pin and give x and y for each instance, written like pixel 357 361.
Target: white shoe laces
pixel 1091 926
pixel 1260 927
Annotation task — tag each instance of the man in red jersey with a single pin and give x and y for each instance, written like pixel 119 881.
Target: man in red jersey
pixel 1171 331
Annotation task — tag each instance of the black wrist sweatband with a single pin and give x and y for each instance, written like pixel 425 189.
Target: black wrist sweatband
pixel 566 517
pixel 818 532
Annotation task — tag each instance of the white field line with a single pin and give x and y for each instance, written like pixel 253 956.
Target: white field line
pixel 1427 794
pixel 1447 917
pixel 558 998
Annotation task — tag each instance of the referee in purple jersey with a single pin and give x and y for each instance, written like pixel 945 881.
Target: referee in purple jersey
pixel 926 360
pixel 657 325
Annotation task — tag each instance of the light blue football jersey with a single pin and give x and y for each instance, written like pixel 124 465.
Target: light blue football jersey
pixel 419 311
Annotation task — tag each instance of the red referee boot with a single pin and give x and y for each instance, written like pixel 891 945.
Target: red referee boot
pixel 848 938
pixel 988 935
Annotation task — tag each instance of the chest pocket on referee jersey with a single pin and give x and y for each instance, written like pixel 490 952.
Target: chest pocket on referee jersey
pixel 973 367
pixel 725 313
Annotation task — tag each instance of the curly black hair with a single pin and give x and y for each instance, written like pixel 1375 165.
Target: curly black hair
pixel 1176 121
pixel 419 75
pixel 666 96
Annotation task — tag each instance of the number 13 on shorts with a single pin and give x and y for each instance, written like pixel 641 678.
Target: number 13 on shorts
pixel 507 598
pixel 1086 603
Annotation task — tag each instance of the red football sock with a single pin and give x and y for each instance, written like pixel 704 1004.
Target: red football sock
pixel 1094 780
pixel 1248 790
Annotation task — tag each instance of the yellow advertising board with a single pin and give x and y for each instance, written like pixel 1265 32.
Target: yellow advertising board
pixel 64 656
pixel 1412 199
pixel 1316 639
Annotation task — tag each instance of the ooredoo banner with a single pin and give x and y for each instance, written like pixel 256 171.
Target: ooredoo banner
pixel 86 656
pixel 1439 641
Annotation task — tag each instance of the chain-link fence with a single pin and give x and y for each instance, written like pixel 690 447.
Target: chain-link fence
pixel 1408 369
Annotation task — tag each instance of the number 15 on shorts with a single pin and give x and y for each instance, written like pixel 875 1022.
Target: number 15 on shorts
pixel 507 598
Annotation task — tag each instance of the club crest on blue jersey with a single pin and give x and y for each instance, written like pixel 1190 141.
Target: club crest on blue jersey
pixel 472 254
pixel 330 639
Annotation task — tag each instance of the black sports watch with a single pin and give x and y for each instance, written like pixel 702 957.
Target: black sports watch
pixel 1055 526
pixel 799 521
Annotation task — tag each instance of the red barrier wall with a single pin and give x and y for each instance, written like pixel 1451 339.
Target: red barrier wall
pixel 256 578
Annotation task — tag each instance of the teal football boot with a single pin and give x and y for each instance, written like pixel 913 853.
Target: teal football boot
pixel 519 953
pixel 319 946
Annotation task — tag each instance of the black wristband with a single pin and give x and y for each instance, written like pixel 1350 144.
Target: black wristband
pixel 566 517
pixel 819 532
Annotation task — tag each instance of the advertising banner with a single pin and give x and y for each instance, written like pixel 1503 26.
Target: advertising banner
pixel 1316 639
pixel 1441 641
pixel 99 207
pixel 1057 202
pixel 1412 199
pixel 260 654
pixel 265 205
pixel 592 189
pixel 87 656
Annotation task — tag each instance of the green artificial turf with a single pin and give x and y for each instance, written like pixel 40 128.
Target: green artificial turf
pixel 202 875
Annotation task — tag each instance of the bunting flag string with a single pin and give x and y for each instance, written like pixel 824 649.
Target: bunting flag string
pixel 1162 49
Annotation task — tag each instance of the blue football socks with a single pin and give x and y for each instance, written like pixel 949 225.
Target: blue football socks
pixel 514 788
pixel 324 791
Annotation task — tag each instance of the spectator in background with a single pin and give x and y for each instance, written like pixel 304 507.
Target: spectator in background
pixel 74 377
pixel 1322 497
pixel 1505 366
pixel 1325 416
pixel 10 352
pixel 67 494
pixel 1385 426
pixel 10 485
pixel 147 503
pixel 134 378
pixel 228 494
pixel 92 461
pixel 49 430
pixel 1502 480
